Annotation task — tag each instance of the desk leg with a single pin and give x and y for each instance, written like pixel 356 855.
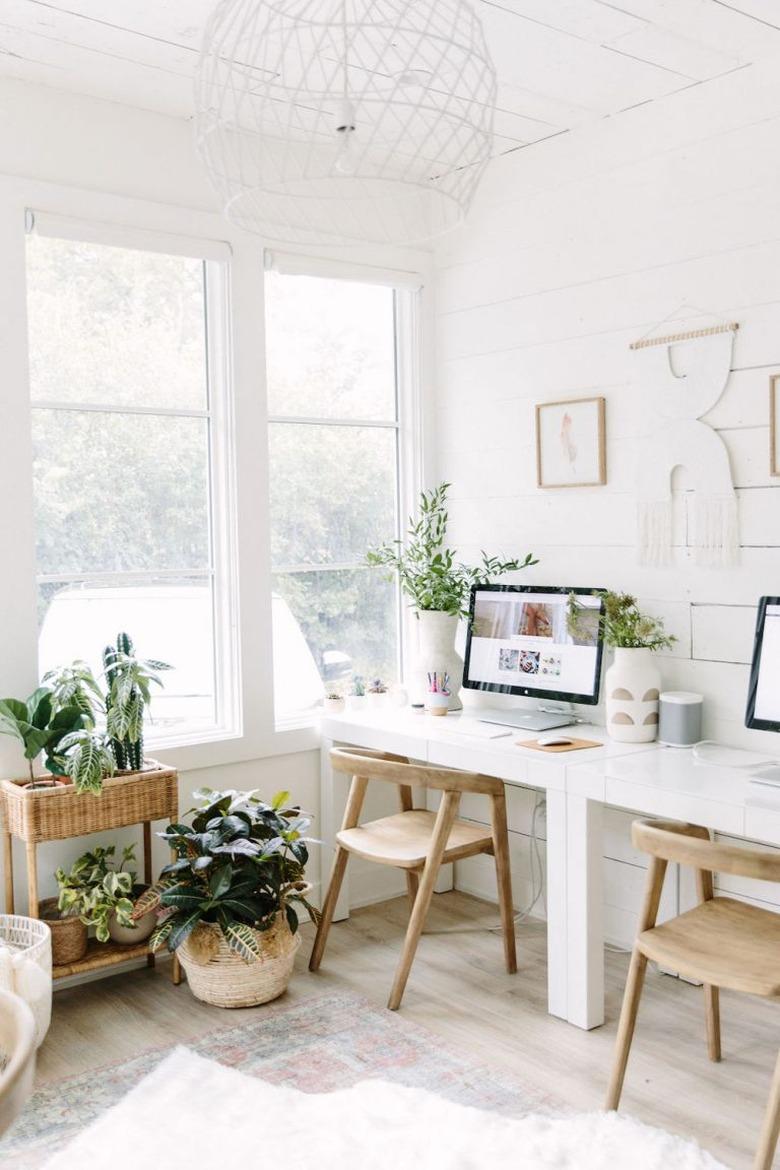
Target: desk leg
pixel 333 794
pixel 585 911
pixel 8 866
pixel 557 965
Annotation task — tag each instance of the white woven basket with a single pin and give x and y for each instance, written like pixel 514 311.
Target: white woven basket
pixel 25 965
pixel 217 976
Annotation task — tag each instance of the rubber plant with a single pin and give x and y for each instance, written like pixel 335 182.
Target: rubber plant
pixel 427 570
pixel 129 680
pixel 238 864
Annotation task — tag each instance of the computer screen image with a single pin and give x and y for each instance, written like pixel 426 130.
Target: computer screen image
pixel 518 642
pixel 763 708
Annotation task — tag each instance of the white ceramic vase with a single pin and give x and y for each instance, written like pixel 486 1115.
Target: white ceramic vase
pixel 632 687
pixel 435 651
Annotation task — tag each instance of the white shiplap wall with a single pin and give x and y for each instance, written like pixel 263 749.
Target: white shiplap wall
pixel 575 248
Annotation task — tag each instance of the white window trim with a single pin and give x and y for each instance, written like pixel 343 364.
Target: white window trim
pixel 408 420
pixel 178 222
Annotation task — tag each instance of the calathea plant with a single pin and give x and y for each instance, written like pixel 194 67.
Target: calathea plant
pixel 427 570
pixel 129 680
pixel 238 865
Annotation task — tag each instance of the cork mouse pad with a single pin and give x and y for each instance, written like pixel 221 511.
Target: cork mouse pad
pixel 576 745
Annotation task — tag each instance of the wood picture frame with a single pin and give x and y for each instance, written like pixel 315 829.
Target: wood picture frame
pixel 774 424
pixel 569 432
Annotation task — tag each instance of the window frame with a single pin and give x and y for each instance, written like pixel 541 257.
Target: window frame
pixel 217 413
pixel 407 423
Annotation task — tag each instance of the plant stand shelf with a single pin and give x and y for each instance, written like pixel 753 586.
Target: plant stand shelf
pixel 56 814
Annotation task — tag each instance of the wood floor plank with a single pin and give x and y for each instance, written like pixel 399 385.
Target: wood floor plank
pixel 459 990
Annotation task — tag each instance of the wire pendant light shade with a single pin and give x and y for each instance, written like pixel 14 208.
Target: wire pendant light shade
pixel 345 121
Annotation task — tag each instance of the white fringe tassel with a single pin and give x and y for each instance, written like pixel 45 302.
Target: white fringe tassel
pixel 716 536
pixel 655 532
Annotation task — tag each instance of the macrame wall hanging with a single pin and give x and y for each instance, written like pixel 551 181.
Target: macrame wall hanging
pixel 682 440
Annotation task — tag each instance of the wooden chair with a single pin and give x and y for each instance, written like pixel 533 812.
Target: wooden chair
pixel 417 841
pixel 720 943
pixel 17 1056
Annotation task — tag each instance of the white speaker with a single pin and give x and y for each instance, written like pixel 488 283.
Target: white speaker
pixel 679 718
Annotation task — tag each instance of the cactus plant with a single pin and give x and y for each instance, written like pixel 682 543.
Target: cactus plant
pixel 129 679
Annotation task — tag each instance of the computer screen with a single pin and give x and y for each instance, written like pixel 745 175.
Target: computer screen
pixel 763 708
pixel 518 642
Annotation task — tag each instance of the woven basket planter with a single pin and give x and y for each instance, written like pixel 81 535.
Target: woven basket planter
pixel 29 941
pixel 68 935
pixel 52 814
pixel 217 976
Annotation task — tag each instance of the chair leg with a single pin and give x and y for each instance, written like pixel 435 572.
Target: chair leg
pixel 412 885
pixel 504 881
pixel 329 907
pixel 448 810
pixel 712 1015
pixel 771 1128
pixel 628 1013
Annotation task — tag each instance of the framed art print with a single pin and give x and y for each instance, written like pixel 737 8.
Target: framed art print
pixel 774 425
pixel 570 443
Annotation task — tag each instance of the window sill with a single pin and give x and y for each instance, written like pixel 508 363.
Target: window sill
pixel 223 749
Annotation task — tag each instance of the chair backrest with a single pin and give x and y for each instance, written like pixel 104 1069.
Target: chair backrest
pixel 691 845
pixel 370 765
pixel 17 1056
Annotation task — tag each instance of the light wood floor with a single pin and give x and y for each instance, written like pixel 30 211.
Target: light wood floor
pixel 459 991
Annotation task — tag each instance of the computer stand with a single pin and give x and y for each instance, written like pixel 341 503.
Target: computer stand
pixel 539 719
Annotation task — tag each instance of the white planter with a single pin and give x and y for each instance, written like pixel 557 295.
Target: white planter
pixel 435 651
pixel 333 706
pixel 632 687
pixel 357 702
pixel 379 700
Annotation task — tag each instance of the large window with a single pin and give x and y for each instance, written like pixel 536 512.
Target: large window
pixel 129 429
pixel 334 404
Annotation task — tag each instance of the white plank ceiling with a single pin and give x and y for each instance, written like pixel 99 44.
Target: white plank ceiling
pixel 560 62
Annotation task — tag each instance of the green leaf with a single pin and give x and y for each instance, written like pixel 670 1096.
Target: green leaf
pixel 249 908
pixel 182 897
pixel 280 800
pixel 146 902
pixel 219 882
pixel 242 941
pixel 183 928
pixel 161 935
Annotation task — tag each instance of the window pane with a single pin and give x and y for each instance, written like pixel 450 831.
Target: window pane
pixel 330 348
pixel 171 620
pixel 115 326
pixel 333 492
pixel 326 626
pixel 120 492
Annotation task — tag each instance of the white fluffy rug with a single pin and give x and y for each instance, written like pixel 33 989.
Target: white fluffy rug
pixel 193 1113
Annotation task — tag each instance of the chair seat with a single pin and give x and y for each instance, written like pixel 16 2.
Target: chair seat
pixel 404 839
pixel 722 942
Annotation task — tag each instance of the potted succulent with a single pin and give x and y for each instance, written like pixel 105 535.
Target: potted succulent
pixel 102 892
pixel 632 683
pixel 438 585
pixel 378 695
pixel 226 905
pixel 357 694
pixel 334 702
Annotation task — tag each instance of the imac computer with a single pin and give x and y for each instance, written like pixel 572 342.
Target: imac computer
pixel 763 706
pixel 518 643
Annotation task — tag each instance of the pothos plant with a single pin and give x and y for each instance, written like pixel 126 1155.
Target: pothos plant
pixel 428 570
pixel 622 624
pixel 238 865
pixel 96 887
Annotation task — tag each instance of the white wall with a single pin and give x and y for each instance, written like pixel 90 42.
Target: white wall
pixel 575 248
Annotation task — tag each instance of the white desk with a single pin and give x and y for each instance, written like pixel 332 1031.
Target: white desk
pixel 573 867
pixel 664 782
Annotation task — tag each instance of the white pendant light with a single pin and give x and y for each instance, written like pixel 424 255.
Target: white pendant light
pixel 345 121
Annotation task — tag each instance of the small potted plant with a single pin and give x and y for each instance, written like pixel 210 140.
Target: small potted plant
pixel 334 702
pixel 632 684
pixel 378 695
pixel 226 905
pixel 40 725
pixel 357 694
pixel 102 893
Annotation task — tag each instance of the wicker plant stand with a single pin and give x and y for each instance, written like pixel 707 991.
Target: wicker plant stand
pixel 55 814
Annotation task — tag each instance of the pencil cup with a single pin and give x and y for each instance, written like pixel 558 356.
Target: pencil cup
pixel 437 703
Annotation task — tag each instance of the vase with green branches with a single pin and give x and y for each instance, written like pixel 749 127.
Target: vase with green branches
pixel 437 584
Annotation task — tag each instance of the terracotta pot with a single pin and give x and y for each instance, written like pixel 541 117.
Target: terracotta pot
pixel 43 782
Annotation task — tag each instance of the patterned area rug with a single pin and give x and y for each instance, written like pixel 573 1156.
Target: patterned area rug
pixel 316 1045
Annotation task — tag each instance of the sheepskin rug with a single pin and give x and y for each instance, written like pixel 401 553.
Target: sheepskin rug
pixel 194 1113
